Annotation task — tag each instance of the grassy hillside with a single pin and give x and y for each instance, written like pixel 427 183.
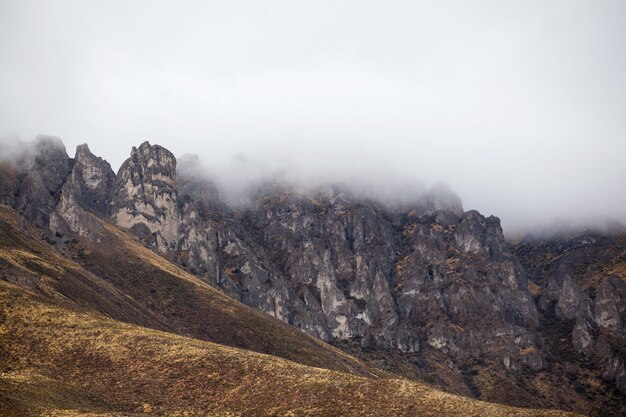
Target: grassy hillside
pixel 61 361
pixel 119 277
pixel 107 327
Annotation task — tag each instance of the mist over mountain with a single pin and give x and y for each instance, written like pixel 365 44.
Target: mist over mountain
pixel 520 107
pixel 418 287
pixel 349 208
pixel 393 183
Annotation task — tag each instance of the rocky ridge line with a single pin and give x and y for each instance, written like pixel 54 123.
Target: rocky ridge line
pixel 417 278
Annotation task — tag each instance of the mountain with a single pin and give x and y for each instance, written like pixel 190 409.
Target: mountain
pixel 117 330
pixel 73 342
pixel 421 289
pixel 338 267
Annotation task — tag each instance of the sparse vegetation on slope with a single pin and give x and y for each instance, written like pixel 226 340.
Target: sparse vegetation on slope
pixel 121 278
pixel 58 361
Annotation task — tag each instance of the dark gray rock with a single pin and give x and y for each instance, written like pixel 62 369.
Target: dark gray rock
pixel 572 302
pixel 86 192
pixel 90 182
pixel 335 265
pixel 43 168
pixel 567 268
pixel 145 193
pixel 610 305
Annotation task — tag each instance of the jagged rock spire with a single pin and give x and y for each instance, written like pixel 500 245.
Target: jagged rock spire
pixel 145 196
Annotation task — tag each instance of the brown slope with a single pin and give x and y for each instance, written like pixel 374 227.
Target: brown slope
pixel 62 361
pixel 122 279
pixel 30 262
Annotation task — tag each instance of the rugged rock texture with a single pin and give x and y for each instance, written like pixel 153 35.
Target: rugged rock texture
pixel 581 276
pixel 337 255
pixel 610 318
pixel 145 196
pixel 421 288
pixel 337 266
pixel 214 246
pixel 87 189
pixel 610 305
pixel 459 284
pixel 398 278
pixel 42 169
pixel 90 182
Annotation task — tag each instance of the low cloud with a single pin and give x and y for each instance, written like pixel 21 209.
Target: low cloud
pixel 520 108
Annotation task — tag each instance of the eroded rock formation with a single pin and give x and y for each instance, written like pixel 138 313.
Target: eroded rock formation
pixel 422 279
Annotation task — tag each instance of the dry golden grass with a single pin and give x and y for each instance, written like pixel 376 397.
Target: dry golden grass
pixel 127 281
pixel 409 229
pixel 528 350
pixel 534 289
pixel 453 263
pixel 211 315
pixel 619 266
pixel 58 361
pixel 100 334
pixel 403 264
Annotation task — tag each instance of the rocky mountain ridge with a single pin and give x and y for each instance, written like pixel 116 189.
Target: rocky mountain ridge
pixel 423 280
pixel 335 266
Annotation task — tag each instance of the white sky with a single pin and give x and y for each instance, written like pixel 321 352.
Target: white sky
pixel 519 105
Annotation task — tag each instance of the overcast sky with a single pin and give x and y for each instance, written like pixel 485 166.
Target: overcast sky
pixel 519 105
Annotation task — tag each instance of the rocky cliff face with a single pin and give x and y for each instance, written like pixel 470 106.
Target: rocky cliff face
pixel 398 278
pixel 337 255
pixel 421 282
pixel 90 182
pixel 42 169
pixel 87 189
pixel 460 282
pixel 581 276
pixel 214 246
pixel 145 197
pixel 338 266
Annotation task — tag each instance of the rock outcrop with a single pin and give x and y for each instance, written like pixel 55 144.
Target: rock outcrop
pixel 570 269
pixel 213 245
pixel 145 198
pixel 338 266
pixel 90 182
pixel 404 279
pixel 610 318
pixel 337 254
pixel 460 276
pixel 43 167
pixel 87 189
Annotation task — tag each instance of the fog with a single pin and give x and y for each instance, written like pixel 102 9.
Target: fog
pixel 520 106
